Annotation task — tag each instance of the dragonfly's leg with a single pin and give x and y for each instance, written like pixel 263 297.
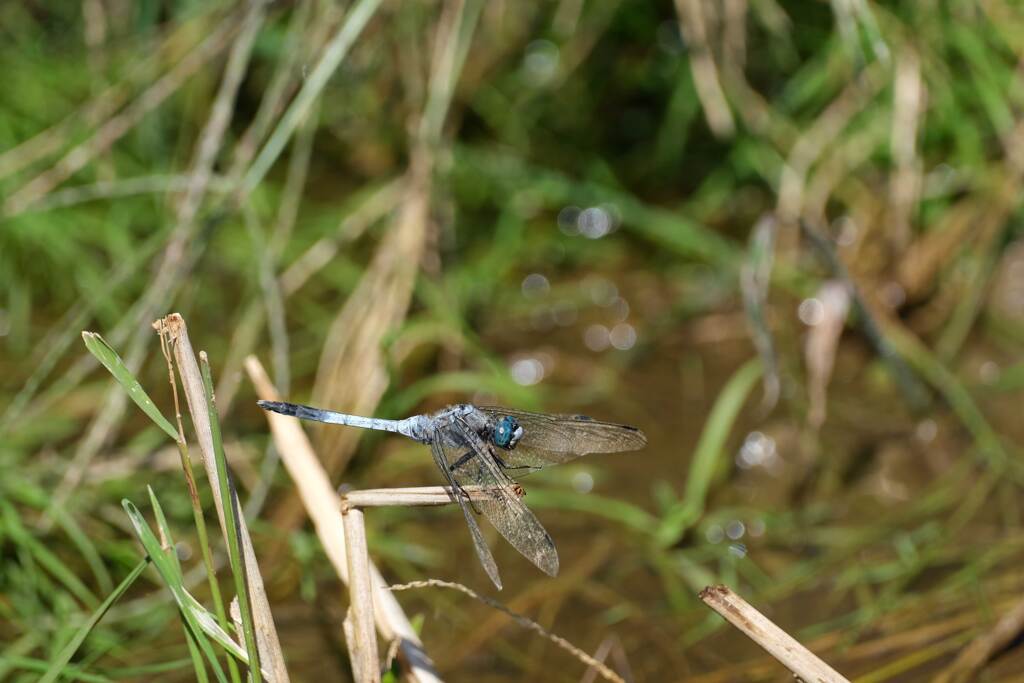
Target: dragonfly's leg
pixel 454 467
pixel 513 468
pixel 518 469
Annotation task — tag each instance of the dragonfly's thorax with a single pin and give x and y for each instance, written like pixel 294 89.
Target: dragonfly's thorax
pixel 501 431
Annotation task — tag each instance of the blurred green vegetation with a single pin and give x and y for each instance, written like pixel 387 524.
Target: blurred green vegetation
pixel 546 205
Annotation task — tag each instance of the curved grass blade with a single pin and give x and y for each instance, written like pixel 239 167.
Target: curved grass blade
pixel 106 355
pixel 232 512
pixel 43 556
pixel 62 659
pixel 707 456
pixel 169 572
pixel 27 493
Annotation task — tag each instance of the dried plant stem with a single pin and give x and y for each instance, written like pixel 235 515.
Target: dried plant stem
pixel 693 25
pixel 418 496
pixel 526 623
pixel 270 655
pixel 197 508
pixel 779 644
pixel 323 506
pixel 981 649
pixel 363 643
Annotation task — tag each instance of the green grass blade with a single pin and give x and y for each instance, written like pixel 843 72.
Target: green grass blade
pixel 43 556
pixel 168 569
pixel 70 672
pixel 62 660
pixel 708 454
pixel 24 491
pixel 219 634
pixel 231 511
pixel 620 511
pixel 355 21
pixel 106 355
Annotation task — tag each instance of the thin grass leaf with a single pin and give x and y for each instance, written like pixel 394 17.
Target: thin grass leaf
pixel 708 454
pixel 42 555
pixel 355 21
pixel 106 355
pixel 70 672
pixel 26 492
pixel 168 570
pixel 57 666
pixel 195 656
pixel 231 522
pixel 165 529
pixel 208 621
pixel 619 511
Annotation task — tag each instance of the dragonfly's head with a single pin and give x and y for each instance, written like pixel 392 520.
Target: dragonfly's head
pixel 507 433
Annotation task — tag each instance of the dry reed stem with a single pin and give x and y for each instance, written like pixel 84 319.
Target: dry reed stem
pixel 352 374
pixel 122 187
pixel 905 637
pixel 980 650
pixel 115 128
pixel 417 496
pixel 323 506
pixel 173 326
pixel 693 26
pixel 820 136
pixel 525 622
pixel 779 644
pixel 821 347
pixel 212 135
pixel 362 645
pixel 909 104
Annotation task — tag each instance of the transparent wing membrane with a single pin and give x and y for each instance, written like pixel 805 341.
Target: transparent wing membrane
pixel 482 551
pixel 500 502
pixel 556 439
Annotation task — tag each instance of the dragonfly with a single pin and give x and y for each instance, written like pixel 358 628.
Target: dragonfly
pixel 480 448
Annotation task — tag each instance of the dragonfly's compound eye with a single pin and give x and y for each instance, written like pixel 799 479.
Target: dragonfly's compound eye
pixel 507 433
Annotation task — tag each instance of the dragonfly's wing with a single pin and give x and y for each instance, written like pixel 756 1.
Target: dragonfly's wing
pixel 500 502
pixel 482 551
pixel 554 439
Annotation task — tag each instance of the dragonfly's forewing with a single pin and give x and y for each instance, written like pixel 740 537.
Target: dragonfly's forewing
pixel 482 551
pixel 500 502
pixel 556 439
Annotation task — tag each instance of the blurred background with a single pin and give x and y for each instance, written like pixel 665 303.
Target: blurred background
pixel 782 238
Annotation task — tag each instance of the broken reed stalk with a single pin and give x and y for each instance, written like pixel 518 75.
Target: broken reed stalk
pixel 323 506
pixel 779 644
pixel 418 496
pixel 362 645
pixel 268 644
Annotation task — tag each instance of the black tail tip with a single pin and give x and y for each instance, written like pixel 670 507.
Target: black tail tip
pixel 273 406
